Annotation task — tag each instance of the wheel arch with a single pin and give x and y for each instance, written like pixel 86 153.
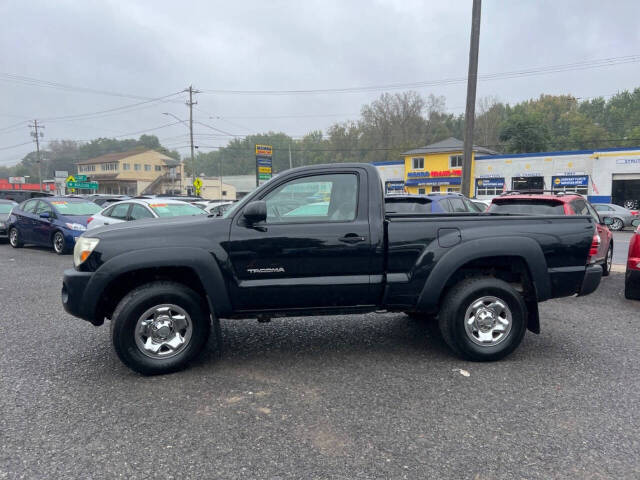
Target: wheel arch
pixel 192 267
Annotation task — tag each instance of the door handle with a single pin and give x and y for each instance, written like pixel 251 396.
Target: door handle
pixel 352 238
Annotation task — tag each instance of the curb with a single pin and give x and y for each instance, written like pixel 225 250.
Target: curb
pixel 619 268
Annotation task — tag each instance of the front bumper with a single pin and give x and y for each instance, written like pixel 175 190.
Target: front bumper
pixel 74 296
pixel 591 280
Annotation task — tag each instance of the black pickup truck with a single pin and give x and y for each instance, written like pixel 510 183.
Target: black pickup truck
pixel 316 241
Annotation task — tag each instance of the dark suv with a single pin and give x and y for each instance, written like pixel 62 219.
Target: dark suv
pixel 431 203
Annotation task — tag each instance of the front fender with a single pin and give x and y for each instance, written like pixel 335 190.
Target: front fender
pixel 523 247
pixel 202 262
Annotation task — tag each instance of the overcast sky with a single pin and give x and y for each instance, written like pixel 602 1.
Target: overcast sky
pixel 150 49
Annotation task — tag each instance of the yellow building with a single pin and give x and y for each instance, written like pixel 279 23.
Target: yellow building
pixel 129 173
pixel 438 167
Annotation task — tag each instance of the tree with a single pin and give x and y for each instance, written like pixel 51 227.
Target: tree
pixel 525 132
pixel 491 115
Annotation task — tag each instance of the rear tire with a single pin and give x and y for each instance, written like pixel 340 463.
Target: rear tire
pixel 617 225
pixel 59 243
pixel 608 261
pixel 483 319
pixel 14 238
pixel 175 344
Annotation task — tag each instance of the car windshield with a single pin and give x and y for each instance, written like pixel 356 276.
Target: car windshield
pixel 66 207
pixel 5 207
pixel 528 207
pixel 175 209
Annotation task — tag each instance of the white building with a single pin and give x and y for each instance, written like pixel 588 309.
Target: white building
pixel 609 175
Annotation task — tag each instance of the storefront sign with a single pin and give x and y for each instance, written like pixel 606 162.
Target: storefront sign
pixel 574 181
pixel 628 161
pixel 435 173
pixel 529 174
pixel 490 182
pixel 394 187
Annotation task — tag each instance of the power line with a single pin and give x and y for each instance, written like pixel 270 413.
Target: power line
pixel 583 65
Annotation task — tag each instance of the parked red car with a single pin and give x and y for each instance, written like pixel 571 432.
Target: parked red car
pixel 632 276
pixel 561 203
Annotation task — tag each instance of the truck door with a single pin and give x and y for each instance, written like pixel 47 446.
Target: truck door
pixel 313 250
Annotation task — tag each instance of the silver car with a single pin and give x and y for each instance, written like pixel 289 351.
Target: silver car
pixel 622 217
pixel 139 208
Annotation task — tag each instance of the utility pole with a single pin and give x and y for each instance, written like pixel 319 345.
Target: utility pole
pixel 220 172
pixel 290 164
pixel 36 134
pixel 470 112
pixel 190 104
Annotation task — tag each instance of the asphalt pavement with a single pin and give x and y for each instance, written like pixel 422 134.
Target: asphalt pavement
pixel 621 246
pixel 361 396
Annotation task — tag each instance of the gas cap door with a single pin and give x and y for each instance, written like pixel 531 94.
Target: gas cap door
pixel 448 237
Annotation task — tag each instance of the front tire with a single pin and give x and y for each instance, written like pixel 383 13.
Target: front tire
pixel 59 243
pixel 608 261
pixel 160 327
pixel 483 319
pixel 617 225
pixel 14 238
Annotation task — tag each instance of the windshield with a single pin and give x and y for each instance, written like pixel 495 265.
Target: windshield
pixel 528 207
pixel 175 209
pixel 65 207
pixel 5 207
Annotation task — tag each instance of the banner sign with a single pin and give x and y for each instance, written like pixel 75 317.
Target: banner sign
pixel 576 181
pixel 264 163
pixel 490 182
pixel 16 180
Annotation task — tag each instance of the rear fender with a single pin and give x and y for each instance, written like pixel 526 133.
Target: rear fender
pixel 523 247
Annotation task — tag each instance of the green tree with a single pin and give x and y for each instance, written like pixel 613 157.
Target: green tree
pixel 525 132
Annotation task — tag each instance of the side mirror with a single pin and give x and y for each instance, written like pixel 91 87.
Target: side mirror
pixel 45 215
pixel 635 222
pixel 607 221
pixel 255 211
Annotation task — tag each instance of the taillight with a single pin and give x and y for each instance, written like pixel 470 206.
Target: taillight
pixel 595 244
pixel 635 212
pixel 89 220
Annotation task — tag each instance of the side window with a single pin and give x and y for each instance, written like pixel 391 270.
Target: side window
pixel 469 207
pixel 138 212
pixel 580 207
pixel 30 206
pixel 119 211
pixel 444 203
pixel 320 198
pixel 43 208
pixel 458 205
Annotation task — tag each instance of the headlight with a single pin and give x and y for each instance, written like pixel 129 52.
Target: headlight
pixel 83 248
pixel 76 226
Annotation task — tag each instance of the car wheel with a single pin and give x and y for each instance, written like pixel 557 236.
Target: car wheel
pixel 483 319
pixel 59 244
pixel 608 261
pixel 160 327
pixel 14 238
pixel 617 225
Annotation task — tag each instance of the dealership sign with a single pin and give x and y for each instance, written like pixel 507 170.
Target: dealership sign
pixel 264 165
pixel 575 181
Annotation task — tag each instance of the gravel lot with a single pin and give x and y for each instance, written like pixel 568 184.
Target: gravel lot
pixel 362 396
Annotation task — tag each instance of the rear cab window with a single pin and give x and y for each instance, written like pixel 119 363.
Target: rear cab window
pixel 408 205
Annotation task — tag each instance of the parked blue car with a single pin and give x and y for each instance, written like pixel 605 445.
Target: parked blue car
pixel 50 221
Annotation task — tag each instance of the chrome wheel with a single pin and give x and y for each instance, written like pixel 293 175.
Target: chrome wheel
pixel 163 331
pixel 58 242
pixel 13 237
pixel 617 224
pixel 488 321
